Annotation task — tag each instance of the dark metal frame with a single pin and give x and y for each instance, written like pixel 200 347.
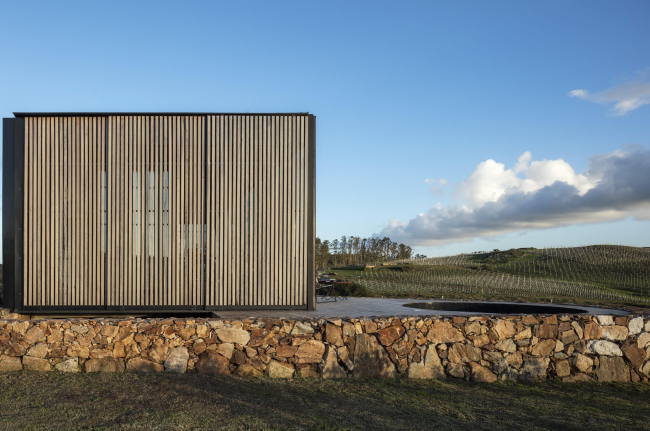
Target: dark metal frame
pixel 13 220
pixel 150 114
pixel 13 208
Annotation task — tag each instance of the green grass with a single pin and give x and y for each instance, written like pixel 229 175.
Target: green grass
pixel 47 401
pixel 593 275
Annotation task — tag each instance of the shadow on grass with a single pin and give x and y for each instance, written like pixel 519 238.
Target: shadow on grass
pixel 191 401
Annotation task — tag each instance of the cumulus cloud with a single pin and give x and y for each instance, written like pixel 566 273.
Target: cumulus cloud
pixel 625 97
pixel 535 195
pixel 581 94
pixel 436 189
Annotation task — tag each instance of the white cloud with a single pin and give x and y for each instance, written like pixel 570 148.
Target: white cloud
pixel 523 162
pixel 535 195
pixel 581 94
pixel 625 97
pixel 436 189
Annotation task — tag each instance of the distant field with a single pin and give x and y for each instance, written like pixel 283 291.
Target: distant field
pixel 601 274
pixel 166 401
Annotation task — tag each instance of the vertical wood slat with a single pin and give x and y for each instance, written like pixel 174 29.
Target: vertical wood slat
pixel 256 249
pixel 156 211
pixel 304 192
pixel 253 230
pixel 28 204
pixel 59 217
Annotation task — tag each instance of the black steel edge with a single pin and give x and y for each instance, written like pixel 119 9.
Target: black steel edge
pixel 127 114
pixel 152 309
pixel 14 209
pixel 19 209
pixel 8 233
pixel 311 216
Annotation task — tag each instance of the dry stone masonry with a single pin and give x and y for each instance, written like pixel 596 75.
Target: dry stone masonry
pixel 476 348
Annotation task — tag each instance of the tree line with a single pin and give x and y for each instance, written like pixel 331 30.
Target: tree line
pixel 354 250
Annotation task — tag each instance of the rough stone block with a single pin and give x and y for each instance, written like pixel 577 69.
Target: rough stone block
pixel 387 336
pixel 302 328
pixel 605 320
pixel 635 325
pixel 505 328
pixel 534 369
pixel 524 334
pixel 247 370
pixel 615 333
pixel 643 340
pixel 34 335
pixel 210 362
pixel 543 348
pixel 69 366
pixel 444 332
pixel 578 329
pixel 562 368
pixel 11 363
pixel 38 350
pixel 310 352
pixel 546 330
pixel 331 367
pixel 225 350
pixel 279 370
pixel 176 361
pixel 233 335
pixel 634 355
pixel 370 358
pixel 613 369
pixel 583 363
pixel 15 349
pixel 506 345
pixel 334 335
pixel 429 368
pixel 455 370
pixel 144 366
pixel 480 374
pixel 605 348
pixel 36 364
pixel 464 353
pixel 106 365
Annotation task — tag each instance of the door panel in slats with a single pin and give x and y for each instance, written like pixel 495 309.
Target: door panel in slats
pixel 63 221
pixel 256 208
pixel 155 197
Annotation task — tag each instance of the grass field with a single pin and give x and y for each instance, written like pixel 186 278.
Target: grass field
pixel 594 275
pixel 48 401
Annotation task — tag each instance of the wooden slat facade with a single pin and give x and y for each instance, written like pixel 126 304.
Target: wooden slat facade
pixel 63 225
pixel 166 211
pixel 257 239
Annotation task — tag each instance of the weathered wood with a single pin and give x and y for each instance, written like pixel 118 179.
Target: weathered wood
pixel 186 210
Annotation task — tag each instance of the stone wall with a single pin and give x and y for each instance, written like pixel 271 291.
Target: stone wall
pixel 481 349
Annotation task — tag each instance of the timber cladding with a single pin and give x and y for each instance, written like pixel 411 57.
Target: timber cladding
pixel 159 211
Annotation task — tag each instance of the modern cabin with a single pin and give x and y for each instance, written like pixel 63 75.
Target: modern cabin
pixel 118 212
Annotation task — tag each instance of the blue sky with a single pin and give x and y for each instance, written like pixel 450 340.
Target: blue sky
pixel 403 93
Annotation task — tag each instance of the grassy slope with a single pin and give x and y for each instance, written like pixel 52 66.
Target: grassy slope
pixel 165 401
pixel 617 269
pixel 602 266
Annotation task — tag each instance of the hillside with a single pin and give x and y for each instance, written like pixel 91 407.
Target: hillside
pixel 599 273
